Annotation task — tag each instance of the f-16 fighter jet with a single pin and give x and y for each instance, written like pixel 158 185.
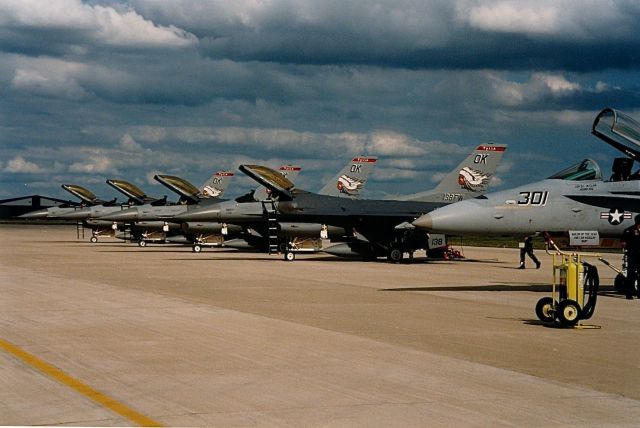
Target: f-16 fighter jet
pixel 379 227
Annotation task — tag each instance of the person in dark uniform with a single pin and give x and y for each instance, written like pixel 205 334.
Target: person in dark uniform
pixel 631 242
pixel 527 249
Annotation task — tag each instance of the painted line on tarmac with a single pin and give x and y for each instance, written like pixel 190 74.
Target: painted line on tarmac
pixel 62 377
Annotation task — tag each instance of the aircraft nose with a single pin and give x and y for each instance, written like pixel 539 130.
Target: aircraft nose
pixel 121 216
pixel 461 217
pixel 424 222
pixel 35 215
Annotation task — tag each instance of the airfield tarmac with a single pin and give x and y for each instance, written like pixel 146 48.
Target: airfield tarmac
pixel 112 334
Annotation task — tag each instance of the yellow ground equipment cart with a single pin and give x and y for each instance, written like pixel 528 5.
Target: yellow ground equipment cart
pixel 575 290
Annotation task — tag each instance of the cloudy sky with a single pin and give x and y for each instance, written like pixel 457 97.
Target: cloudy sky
pixel 91 90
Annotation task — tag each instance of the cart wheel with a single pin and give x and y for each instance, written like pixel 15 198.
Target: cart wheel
pixel 93 239
pixel 289 256
pixel 196 248
pixel 142 243
pixel 544 309
pixel 618 283
pixel 568 313
pixel 395 255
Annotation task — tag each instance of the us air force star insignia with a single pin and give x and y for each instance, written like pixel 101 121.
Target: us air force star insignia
pixel 615 216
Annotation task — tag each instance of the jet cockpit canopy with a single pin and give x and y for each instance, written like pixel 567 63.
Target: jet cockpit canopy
pixel 587 169
pixel 618 130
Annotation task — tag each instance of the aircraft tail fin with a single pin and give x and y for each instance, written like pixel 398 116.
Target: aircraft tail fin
pixel 350 181
pixel 216 185
pixel 469 179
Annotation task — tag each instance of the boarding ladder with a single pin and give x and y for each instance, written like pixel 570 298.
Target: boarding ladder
pixel 79 229
pixel 270 214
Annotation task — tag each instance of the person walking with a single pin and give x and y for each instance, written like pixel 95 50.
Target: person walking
pixel 527 248
pixel 631 243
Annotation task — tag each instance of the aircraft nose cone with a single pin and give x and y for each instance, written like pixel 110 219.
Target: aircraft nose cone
pixel 35 215
pixel 121 216
pixel 424 222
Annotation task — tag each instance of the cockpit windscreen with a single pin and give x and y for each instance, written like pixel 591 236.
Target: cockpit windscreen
pixel 585 170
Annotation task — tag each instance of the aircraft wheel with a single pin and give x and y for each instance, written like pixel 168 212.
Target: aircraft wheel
pixel 618 284
pixel 544 309
pixel 196 248
pixel 93 239
pixel 142 243
pixel 395 255
pixel 568 313
pixel 289 256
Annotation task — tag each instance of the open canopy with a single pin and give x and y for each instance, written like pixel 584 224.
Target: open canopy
pixel 180 186
pixel 618 130
pixel 584 170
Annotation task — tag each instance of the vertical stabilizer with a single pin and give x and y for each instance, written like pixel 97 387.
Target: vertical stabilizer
pixel 469 179
pixel 216 185
pixel 350 181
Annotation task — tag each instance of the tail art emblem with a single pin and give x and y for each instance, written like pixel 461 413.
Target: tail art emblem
pixel 472 179
pixel 349 185
pixel 211 192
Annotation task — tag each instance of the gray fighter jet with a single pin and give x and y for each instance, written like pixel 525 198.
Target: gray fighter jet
pixel 87 198
pixel 303 237
pixel 147 223
pixel 88 215
pixel 153 223
pixel 576 201
pixel 378 227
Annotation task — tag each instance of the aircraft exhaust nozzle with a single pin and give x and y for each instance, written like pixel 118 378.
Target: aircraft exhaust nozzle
pixel 35 215
pixel 424 222
pixel 81 214
pixel 122 216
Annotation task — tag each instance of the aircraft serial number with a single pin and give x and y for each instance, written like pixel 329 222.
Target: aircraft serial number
pixel 452 197
pixel 533 198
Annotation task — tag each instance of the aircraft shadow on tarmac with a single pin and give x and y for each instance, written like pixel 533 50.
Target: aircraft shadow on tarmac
pixel 608 291
pixel 538 288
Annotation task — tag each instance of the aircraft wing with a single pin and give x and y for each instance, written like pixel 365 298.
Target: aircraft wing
pixel 620 202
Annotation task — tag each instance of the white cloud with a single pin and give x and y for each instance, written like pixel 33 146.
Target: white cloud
pixel 510 16
pixel 65 79
pixel 19 165
pixel 570 19
pixel 127 143
pixel 96 163
pixel 105 25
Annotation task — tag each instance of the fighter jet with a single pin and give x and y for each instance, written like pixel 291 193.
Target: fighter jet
pixel 203 233
pixel 87 198
pixel 303 237
pixel 88 215
pixel 380 227
pixel 148 222
pixel 576 201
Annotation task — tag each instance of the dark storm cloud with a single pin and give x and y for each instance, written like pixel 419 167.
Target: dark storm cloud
pixel 558 35
pixel 101 88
